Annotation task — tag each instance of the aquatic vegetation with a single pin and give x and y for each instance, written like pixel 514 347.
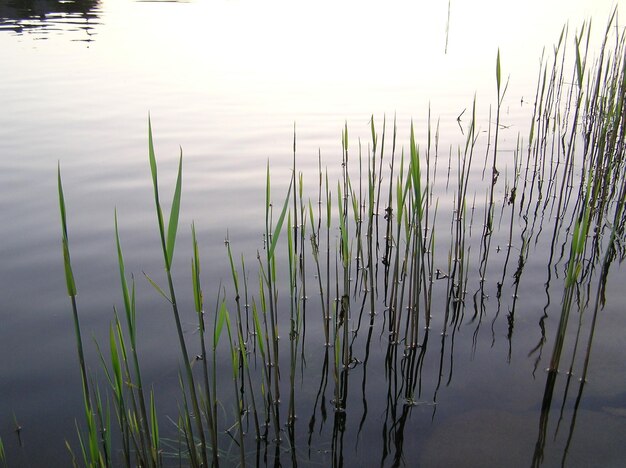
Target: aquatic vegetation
pixel 2 453
pixel 390 255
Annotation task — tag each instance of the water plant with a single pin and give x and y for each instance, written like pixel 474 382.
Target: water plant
pixel 386 266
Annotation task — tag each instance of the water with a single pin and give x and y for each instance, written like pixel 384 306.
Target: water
pixel 226 81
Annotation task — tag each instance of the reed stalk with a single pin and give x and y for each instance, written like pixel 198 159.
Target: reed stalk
pixel 168 242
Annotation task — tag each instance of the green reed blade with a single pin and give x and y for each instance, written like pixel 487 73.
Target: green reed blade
pixel 281 219
pixel 257 328
pixel 154 427
pixel 105 425
pixel 373 130
pixel 195 272
pixel 342 228
pixel 81 444
pixel 582 239
pixel 61 201
pixel 570 277
pixel 174 213
pixel 233 270
pixel 328 202
pixel 267 187
pixel 579 66
pixel 234 355
pixel 125 294
pixel 92 432
pixel 71 290
pixel 69 275
pixel 153 164
pixel 130 312
pixel 117 368
pixel 222 316
pixel 311 217
pixel 72 454
pixel 498 71
pixel 105 368
pixel 290 250
pixel 157 287
pixel 414 168
pixel 3 457
pixel 155 184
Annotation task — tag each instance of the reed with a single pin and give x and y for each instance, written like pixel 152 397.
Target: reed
pixel 209 378
pixel 563 186
pixel 95 449
pixel 168 242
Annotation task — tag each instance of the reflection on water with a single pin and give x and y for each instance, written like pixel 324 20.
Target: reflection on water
pixel 45 17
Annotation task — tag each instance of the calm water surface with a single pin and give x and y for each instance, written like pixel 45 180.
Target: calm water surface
pixel 226 81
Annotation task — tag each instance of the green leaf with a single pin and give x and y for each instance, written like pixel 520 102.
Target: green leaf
pixel 579 66
pixel 373 130
pixel 267 188
pixel 223 312
pixel 115 363
pixel 157 287
pixel 279 224
pixel 498 71
pixel 174 213
pixel 329 203
pixel 157 203
pixel 257 327
pixel 342 228
pixel 311 216
pixel 414 168
pixel 125 293
pixel 69 275
pixel 233 270
pixel 195 272
pixel 153 165
pixel 154 425
pixel 290 242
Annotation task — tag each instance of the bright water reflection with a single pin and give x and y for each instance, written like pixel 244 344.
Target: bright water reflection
pixel 227 80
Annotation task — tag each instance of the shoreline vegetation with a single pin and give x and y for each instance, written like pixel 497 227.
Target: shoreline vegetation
pixel 360 260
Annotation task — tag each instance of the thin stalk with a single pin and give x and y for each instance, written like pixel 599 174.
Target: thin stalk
pixel 167 245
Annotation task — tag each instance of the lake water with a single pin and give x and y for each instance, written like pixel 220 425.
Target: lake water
pixel 227 82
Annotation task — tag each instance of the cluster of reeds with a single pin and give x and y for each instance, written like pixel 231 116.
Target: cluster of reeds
pixel 364 260
pixel 595 219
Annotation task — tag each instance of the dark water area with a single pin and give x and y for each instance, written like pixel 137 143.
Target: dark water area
pixel 47 17
pixel 228 84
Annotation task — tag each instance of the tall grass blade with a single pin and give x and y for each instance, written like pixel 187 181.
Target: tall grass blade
pixel 498 71
pixel 174 213
pixel 167 246
pixel 154 425
pixel 69 275
pixel 157 288
pixel 279 223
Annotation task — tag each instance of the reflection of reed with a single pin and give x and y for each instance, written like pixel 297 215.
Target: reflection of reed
pixel 38 16
pixel 25 9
